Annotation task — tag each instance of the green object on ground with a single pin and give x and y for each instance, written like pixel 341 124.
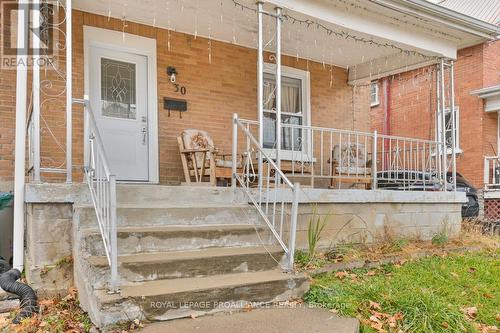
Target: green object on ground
pixel 5 199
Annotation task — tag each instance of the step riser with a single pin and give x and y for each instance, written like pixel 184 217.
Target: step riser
pixel 136 242
pixel 136 217
pixel 198 267
pixel 186 304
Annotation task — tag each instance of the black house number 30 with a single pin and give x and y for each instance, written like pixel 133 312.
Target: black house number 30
pixel 180 89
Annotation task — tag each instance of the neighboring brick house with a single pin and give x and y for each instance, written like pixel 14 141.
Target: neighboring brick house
pixel 406 102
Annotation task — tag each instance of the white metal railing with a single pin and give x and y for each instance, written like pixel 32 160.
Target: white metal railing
pixel 102 185
pixel 278 212
pixel 492 172
pixel 342 159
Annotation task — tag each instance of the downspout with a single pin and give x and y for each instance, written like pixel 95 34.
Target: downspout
pixel 20 139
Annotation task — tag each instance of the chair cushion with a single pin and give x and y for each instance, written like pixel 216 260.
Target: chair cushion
pixel 197 139
pixel 350 155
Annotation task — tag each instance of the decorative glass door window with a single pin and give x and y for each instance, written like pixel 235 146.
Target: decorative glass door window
pixel 118 91
pixel 291 112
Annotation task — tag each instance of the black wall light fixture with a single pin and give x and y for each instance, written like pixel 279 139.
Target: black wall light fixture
pixel 171 72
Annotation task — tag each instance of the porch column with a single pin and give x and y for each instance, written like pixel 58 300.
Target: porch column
pixel 278 87
pixel 453 125
pixel 20 138
pixel 69 92
pixel 36 34
pixel 260 91
pixel 443 122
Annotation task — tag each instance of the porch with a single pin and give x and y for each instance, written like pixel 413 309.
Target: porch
pixel 289 103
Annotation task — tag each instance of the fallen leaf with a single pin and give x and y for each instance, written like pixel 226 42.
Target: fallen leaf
pixel 46 302
pixel 497 317
pixel 398 316
pixel 471 312
pixel 193 316
pixel 374 305
pixel 445 325
pixel 455 275
pixel 490 296
pixel 375 319
pixel 371 273
pixel 341 274
pixel 472 270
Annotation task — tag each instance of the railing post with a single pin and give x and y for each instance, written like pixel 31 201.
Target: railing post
pixel 234 151
pixel 374 161
pixel 486 173
pixel 293 225
pixel 114 283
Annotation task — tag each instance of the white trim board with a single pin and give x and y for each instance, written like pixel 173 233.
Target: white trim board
pixel 144 46
pixel 305 78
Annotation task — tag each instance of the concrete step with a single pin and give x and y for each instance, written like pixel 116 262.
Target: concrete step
pixel 185 264
pixel 168 214
pixel 177 238
pixel 170 299
pixel 176 195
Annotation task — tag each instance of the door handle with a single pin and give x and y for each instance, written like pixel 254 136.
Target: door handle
pixel 144 132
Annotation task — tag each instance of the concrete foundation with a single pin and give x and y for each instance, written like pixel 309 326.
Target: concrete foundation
pixel 209 241
pixel 48 259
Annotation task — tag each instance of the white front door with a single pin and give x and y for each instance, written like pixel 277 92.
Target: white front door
pixel 118 87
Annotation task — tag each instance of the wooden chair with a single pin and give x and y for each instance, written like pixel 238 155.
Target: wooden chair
pixel 201 160
pixel 351 165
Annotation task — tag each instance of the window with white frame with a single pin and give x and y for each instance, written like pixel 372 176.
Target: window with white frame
pixel 374 98
pixel 294 108
pixel 450 131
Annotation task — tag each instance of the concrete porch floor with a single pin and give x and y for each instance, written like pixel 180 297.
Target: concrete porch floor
pixel 271 320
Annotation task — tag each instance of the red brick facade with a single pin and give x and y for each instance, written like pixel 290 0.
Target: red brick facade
pixel 215 91
pixel 413 106
pixel 228 84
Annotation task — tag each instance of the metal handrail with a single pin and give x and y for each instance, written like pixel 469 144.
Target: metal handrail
pixel 270 202
pixel 102 186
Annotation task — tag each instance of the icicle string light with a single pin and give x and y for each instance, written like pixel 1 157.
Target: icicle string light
pixel 210 42
pixel 341 34
pixel 124 26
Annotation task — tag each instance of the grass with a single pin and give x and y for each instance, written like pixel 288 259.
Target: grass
pixel 452 293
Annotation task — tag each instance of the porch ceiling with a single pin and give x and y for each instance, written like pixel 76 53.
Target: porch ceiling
pixel 373 52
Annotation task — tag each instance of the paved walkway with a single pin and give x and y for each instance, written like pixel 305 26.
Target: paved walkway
pixel 274 320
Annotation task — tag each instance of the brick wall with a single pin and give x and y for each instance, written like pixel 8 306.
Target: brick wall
pixel 491 59
pixel 214 92
pixel 413 106
pixel 7 127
